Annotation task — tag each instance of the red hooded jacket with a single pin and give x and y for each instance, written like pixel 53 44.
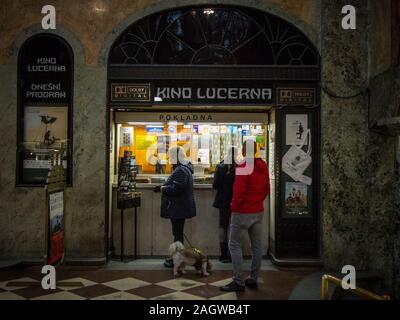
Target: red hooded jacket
pixel 249 191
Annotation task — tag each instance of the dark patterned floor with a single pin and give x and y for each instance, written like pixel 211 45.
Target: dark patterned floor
pixel 99 283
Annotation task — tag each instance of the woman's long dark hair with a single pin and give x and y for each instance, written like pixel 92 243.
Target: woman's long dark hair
pixel 231 167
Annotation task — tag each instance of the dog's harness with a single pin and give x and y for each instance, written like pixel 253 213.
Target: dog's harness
pixel 197 252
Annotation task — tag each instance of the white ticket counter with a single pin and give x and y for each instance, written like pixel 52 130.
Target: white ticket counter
pixel 155 233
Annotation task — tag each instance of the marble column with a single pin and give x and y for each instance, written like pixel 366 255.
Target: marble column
pixel 344 125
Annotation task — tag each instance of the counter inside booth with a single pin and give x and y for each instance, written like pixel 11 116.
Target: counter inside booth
pixel 205 145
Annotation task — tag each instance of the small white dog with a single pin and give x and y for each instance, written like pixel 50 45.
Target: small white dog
pixel 191 257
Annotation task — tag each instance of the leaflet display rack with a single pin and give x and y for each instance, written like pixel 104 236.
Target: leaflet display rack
pixel 127 196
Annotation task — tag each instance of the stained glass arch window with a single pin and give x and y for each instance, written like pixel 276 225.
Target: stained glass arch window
pixel 213 35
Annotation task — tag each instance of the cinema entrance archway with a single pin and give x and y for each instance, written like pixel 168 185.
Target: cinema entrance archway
pixel 201 61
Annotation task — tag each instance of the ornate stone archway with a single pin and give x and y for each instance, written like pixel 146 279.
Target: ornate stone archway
pixel 272 8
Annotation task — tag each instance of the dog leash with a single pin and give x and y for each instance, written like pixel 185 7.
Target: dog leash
pixel 191 247
pixel 186 238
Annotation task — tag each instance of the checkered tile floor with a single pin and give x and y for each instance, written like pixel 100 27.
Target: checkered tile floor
pixel 104 284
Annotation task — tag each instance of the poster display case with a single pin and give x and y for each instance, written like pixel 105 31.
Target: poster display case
pixel 45 74
pixel 297 158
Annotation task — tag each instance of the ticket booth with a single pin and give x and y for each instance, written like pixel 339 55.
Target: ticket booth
pixel 208 78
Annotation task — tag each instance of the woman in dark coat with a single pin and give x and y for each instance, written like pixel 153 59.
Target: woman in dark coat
pixel 224 178
pixel 177 197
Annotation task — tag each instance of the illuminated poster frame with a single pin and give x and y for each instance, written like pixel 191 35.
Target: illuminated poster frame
pixel 45 96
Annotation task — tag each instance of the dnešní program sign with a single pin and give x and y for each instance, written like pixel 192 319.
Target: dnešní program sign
pixel 45 71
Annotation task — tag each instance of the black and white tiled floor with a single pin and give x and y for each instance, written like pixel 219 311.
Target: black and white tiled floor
pixel 119 282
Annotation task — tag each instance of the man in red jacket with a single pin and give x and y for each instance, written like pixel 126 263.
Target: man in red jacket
pixel 249 192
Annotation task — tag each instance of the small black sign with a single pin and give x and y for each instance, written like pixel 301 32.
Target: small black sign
pixel 296 96
pixel 129 92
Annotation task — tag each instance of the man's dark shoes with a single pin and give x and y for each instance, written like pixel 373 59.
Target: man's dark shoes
pixel 169 263
pixel 250 283
pixel 232 287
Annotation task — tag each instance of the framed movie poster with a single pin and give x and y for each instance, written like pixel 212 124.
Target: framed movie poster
pixel 163 143
pixel 296 128
pixel 45 125
pixel 56 226
pixel 126 137
pixel 45 129
pixel 144 142
pixel 296 199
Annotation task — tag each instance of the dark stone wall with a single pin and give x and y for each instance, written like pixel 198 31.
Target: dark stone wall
pixel 396 247
pixel 345 137
pixel 384 223
pixel 360 176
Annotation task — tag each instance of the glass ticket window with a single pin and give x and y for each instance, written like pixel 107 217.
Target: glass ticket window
pixel 205 145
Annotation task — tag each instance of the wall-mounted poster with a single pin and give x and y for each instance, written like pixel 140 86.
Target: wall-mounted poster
pixel 56 225
pixel 296 195
pixel 162 144
pixel 296 128
pixel 260 139
pixel 126 137
pixel 143 142
pixel 45 129
pixel 203 156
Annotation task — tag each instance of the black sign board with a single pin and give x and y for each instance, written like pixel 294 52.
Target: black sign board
pixel 297 184
pixel 215 92
pixel 296 96
pixel 45 70
pixel 130 92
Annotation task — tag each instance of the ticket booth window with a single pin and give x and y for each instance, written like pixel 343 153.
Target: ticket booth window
pixel 206 144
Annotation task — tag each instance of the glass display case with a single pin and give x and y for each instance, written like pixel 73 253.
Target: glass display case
pixel 205 145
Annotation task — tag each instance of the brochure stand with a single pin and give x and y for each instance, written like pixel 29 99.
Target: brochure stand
pixel 133 203
pixel 55 212
pixel 127 197
pixel 55 215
